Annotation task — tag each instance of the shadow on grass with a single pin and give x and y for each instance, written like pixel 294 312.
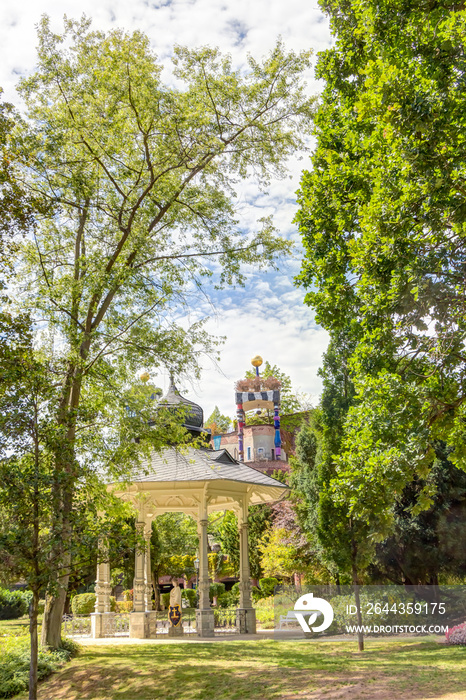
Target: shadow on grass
pixel 259 670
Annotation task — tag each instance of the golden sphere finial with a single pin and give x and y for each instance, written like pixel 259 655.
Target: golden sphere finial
pixel 144 377
pixel 257 361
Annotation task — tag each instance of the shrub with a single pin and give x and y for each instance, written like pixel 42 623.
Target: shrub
pixel 128 594
pixel 257 594
pixel 216 589
pixel 227 600
pixel 190 595
pixel 265 612
pixel 83 604
pixel 15 659
pixel 456 635
pixel 124 606
pixel 165 598
pixel 13 604
pixel 268 585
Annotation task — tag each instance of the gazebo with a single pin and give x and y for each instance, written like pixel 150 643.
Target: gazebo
pixel 195 481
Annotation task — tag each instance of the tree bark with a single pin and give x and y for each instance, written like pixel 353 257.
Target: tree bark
pixel 358 614
pixel 65 482
pixel 33 610
pixel 357 599
pixel 54 609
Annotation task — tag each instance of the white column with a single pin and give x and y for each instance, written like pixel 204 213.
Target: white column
pixel 139 585
pixel 147 569
pixel 245 614
pixel 204 614
pixel 102 584
pixel 244 573
pixel 204 601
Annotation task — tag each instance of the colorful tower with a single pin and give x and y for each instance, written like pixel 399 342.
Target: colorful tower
pixel 251 394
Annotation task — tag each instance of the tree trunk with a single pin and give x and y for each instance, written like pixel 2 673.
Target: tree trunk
pixel 156 593
pixel 359 617
pixel 54 609
pixel 66 473
pixel 33 610
pixel 354 554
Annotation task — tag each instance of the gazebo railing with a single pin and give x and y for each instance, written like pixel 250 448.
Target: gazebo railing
pixel 225 621
pixel 161 624
pixel 76 625
pixel 116 625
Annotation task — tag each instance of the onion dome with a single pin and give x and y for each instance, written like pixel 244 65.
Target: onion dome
pixel 194 419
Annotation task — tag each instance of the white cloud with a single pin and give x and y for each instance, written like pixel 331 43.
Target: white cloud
pixel 295 347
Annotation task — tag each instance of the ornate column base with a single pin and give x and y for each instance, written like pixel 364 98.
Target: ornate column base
pixel 246 620
pixel 102 625
pixel 137 625
pixel 205 623
pixel 142 625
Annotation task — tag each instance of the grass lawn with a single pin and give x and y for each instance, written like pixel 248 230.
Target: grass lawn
pixel 407 669
pixel 16 627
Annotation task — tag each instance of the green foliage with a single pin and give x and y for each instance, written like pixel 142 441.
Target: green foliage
pixel 228 600
pixel 256 593
pixel 137 179
pixel 190 595
pixel 227 531
pixel 216 589
pixel 13 604
pixel 165 598
pixel 279 557
pixel 266 612
pixel 425 545
pixel 14 664
pixel 268 585
pixel 83 604
pixel 383 227
pixel 18 205
pixel 339 540
pixel 174 543
pixel 217 422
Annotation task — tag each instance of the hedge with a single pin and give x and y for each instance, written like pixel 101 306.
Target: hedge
pixel 13 604
pixel 83 604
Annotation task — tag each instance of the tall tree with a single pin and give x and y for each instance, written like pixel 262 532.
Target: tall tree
pixel 30 546
pixel 383 224
pixel 341 536
pixel 259 521
pixel 25 468
pixel 217 422
pixel 141 179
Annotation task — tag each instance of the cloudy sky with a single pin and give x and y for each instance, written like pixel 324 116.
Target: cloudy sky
pixel 268 316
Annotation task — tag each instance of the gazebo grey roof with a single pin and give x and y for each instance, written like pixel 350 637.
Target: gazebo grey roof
pixel 193 480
